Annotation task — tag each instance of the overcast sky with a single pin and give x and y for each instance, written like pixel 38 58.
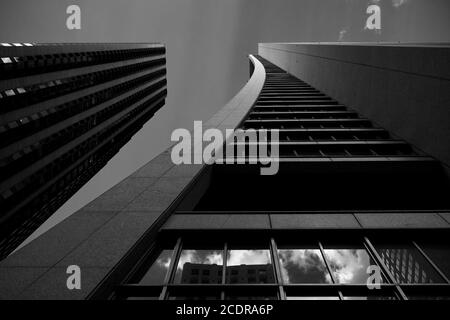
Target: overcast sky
pixel 207 45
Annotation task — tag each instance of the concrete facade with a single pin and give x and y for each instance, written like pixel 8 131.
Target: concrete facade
pixel 403 88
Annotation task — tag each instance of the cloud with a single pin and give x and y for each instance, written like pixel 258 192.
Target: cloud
pixel 307 262
pixel 249 257
pixel 342 34
pixel 398 3
pixel 200 257
pixel 349 265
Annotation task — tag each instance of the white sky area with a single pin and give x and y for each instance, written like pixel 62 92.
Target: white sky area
pixel 207 45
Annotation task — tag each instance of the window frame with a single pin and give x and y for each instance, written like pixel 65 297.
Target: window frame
pixel 279 289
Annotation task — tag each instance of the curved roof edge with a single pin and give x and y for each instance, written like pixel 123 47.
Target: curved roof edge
pixel 232 114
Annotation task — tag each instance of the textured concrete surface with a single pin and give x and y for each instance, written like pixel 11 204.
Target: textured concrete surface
pixel 218 221
pixel 402 220
pixel 308 221
pixel 48 287
pixel 313 221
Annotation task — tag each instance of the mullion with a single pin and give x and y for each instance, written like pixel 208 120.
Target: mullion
pixel 383 268
pixel 224 269
pixel 172 268
pixel 276 265
pixel 380 262
pixel 372 256
pixel 330 271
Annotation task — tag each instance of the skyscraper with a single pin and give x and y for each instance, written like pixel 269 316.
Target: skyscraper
pixel 354 211
pixel 66 109
pixel 337 169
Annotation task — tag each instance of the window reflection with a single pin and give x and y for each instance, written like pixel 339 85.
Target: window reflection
pixel 249 266
pixel 406 264
pixel 430 297
pixel 439 254
pixel 299 264
pixel 157 272
pixel 142 298
pixel 196 297
pixel 349 264
pixel 199 266
pixel 303 266
pixel 255 296
pixel 370 298
pixel 311 298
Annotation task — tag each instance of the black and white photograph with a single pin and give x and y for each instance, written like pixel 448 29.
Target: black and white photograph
pixel 225 158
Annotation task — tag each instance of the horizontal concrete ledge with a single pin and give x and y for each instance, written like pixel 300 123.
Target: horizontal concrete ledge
pixel 402 220
pixel 371 44
pixel 196 212
pixel 218 221
pixel 292 221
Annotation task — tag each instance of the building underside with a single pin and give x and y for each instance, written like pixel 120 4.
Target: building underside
pixel 350 198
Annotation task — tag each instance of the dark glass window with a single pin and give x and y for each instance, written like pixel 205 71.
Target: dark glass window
pixel 439 254
pixel 407 264
pixel 158 270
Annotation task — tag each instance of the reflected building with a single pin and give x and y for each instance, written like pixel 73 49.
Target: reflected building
pixel 362 184
pixel 203 273
pixel 259 273
pixel 407 266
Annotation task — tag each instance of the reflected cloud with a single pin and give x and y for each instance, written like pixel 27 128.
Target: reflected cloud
pixel 238 257
pixel 342 34
pixel 200 257
pixel 398 3
pixel 164 262
pixel 348 265
pixel 157 272
pixel 303 266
